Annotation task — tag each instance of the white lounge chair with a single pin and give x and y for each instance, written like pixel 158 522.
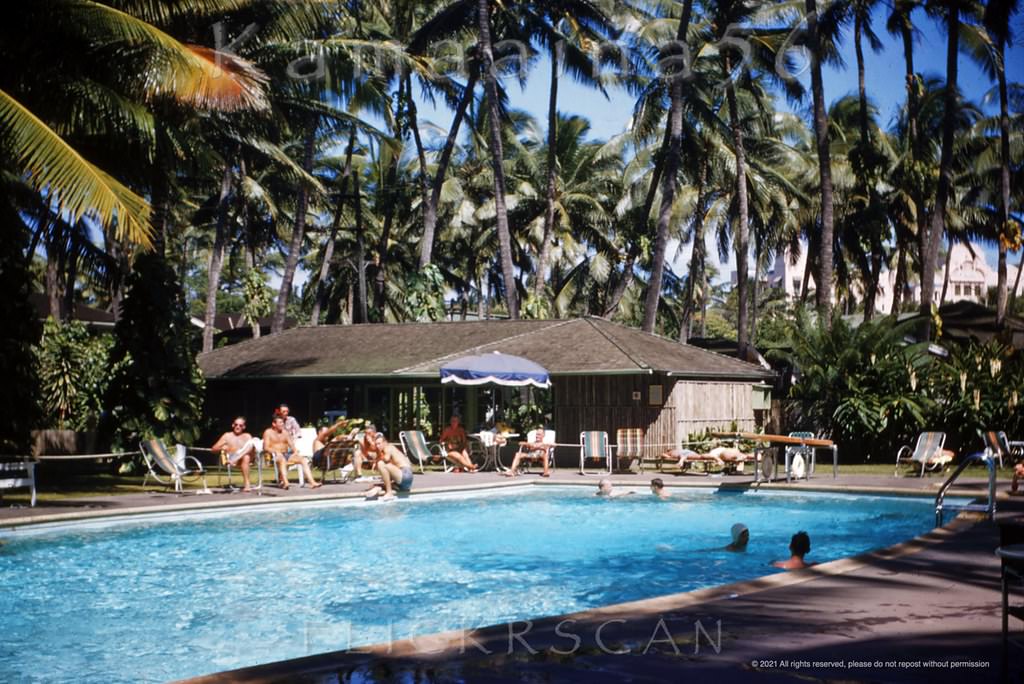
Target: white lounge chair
pixel 415 445
pixel 927 454
pixel 168 470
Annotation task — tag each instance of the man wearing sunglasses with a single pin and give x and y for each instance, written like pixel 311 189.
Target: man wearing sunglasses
pixel 238 449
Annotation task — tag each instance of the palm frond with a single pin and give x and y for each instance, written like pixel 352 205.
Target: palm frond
pixel 77 186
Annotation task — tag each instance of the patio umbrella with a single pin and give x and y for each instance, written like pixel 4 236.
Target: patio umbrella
pixel 495 368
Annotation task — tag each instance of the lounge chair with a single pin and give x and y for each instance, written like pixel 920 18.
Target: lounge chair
pixel 171 470
pixel 415 445
pixel 548 440
pixel 227 461
pixel 998 445
pixel 594 448
pixel 629 445
pixel 927 453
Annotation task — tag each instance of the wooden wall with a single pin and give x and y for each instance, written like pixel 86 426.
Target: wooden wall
pixel 610 402
pixel 701 405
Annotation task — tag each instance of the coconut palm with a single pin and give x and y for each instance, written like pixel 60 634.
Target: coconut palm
pixel 37 124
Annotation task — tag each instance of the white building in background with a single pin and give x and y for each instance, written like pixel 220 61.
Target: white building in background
pixel 970 277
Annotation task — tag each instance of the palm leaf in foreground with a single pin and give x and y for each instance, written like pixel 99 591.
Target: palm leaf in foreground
pixel 79 187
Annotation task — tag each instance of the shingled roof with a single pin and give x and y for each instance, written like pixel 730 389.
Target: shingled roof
pixel 579 346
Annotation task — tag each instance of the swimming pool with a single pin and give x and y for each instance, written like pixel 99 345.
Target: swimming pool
pixel 152 601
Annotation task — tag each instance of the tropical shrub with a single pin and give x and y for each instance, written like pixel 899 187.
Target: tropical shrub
pixel 74 367
pixel 156 389
pixel 979 388
pixel 19 401
pixel 865 386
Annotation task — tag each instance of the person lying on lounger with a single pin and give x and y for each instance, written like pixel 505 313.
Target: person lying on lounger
pixel 720 456
pixel 395 471
pixel 281 446
pixel 238 448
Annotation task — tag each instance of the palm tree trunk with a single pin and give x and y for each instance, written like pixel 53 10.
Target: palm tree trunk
pixel 697 255
pixel 669 181
pixel 325 266
pixel 741 236
pixel 1016 284
pixel 298 233
pixel 1004 184
pixel 938 220
pixel 824 290
pixel 220 239
pixel 901 280
pixel 497 157
pixel 945 275
pixel 642 216
pixel 871 290
pixel 858 29
pixel 549 214
pixel 360 250
pixel 754 293
pixel 430 208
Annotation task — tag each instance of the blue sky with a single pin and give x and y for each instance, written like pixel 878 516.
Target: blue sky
pixel 883 76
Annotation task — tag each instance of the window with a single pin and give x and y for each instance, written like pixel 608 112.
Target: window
pixel 956 289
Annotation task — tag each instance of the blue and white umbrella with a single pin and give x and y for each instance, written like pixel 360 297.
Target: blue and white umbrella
pixel 495 368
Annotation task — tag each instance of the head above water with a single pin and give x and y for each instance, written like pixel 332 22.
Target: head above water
pixel 800 544
pixel 657 484
pixel 740 535
pixel 604 485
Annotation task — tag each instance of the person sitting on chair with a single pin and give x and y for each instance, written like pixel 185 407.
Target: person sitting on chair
pixel 394 468
pixel 456 444
pixel 328 435
pixel 291 426
pixel 799 546
pixel 531 451
pixel 281 447
pixel 238 448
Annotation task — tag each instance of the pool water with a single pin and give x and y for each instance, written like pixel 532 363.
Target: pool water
pixel 152 601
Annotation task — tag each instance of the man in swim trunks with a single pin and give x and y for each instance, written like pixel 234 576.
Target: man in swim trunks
pixel 238 448
pixel 281 446
pixel 394 468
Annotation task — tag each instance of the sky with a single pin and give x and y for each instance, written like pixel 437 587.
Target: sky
pixel 883 75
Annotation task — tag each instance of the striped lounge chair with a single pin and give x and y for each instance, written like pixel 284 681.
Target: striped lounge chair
pixel 594 448
pixel 629 447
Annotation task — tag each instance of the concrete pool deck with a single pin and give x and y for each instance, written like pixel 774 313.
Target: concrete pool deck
pixel 925 610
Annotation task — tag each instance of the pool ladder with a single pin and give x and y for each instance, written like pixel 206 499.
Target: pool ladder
pixel 989 459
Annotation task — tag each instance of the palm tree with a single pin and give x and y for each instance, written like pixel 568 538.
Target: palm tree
pixel 932 238
pixel 671 152
pixel 820 119
pixel 991 55
pixel 169 73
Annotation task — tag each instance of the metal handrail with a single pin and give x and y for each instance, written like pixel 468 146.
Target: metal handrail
pixel 987 458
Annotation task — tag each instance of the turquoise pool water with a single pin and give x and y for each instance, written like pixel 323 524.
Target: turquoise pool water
pixel 152 601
